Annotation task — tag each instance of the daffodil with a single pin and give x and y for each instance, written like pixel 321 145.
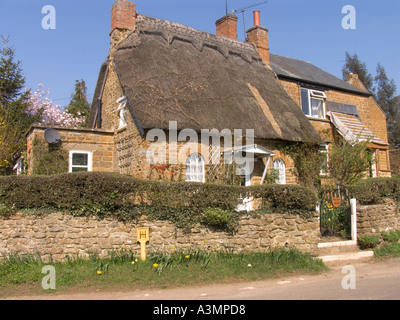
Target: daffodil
pixel 99 272
pixel 187 257
pixel 155 265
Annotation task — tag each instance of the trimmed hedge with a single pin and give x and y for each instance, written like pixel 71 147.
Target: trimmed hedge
pixel 126 198
pixel 371 191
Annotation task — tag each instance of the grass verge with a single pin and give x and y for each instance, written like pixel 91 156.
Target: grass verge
pixel 121 270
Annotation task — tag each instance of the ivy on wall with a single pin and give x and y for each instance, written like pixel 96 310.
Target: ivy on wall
pixel 48 159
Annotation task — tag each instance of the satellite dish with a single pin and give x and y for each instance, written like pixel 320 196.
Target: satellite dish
pixel 52 136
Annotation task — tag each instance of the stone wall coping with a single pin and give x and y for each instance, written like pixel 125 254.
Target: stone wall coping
pixel 76 129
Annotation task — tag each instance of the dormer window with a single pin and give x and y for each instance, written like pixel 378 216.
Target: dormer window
pixel 313 103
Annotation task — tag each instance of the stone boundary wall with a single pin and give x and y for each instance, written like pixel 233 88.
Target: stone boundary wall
pixel 59 235
pixel 374 219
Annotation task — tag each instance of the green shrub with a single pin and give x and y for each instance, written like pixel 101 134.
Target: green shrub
pixel 216 216
pixel 126 198
pixel 371 191
pixel 368 242
pixel 392 236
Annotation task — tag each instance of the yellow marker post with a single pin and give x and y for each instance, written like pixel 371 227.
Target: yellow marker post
pixel 143 236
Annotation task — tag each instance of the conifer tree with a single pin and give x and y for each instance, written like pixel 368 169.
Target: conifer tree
pixel 14 118
pixel 354 65
pixel 79 106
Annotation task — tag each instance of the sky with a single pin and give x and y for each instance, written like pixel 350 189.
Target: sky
pixel 309 30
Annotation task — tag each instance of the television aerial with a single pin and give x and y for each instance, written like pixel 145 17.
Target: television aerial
pixel 52 136
pixel 243 10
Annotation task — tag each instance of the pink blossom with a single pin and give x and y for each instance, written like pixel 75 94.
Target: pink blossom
pixel 40 103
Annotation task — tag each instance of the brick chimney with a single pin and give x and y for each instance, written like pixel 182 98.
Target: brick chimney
pixel 259 36
pixel 227 26
pixel 123 16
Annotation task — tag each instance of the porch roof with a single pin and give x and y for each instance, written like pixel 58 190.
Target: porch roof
pixel 252 148
pixel 352 129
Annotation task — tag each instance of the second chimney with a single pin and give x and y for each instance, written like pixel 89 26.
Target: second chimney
pixel 259 36
pixel 227 26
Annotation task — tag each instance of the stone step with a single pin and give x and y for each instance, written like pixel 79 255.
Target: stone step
pixel 348 257
pixel 331 248
pixel 342 252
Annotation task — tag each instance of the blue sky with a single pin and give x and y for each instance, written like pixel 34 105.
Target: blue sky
pixel 309 30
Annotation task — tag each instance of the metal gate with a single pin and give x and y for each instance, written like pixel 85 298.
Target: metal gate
pixel 335 212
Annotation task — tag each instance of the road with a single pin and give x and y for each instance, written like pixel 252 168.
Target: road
pixel 371 281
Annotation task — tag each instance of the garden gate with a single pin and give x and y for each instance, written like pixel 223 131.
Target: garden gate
pixel 335 212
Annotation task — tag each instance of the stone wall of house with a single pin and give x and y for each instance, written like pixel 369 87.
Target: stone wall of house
pixel 374 219
pixel 97 141
pixel 59 235
pixel 370 113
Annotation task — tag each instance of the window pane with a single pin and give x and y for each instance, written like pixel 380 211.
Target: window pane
pixel 77 169
pixel 279 166
pixel 195 168
pixel 317 108
pixel 305 105
pixel 80 159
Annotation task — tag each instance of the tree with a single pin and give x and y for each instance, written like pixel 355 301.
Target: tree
pixel 13 108
pixel 79 106
pixel 349 163
pixel 354 65
pixel 383 92
pixel 385 97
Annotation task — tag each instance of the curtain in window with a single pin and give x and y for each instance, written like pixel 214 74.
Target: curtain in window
pixel 195 168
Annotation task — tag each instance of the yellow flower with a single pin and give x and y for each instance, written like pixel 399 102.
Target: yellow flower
pixel 249 265
pixel 155 265
pixel 183 252
pixel 133 262
pixel 205 240
pixel 187 257
pixel 136 260
pixel 173 248
pixel 99 272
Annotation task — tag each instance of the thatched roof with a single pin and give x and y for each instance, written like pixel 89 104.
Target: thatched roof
pixel 171 72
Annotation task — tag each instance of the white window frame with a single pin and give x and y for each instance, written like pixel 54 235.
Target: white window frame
pixel 90 158
pixel 314 95
pixel 280 166
pixel 195 168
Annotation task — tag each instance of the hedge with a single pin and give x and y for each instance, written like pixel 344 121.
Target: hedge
pixel 371 191
pixel 126 198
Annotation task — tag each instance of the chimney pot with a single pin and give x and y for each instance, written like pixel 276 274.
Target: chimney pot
pixel 256 16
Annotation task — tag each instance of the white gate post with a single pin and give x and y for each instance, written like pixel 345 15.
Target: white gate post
pixel 353 206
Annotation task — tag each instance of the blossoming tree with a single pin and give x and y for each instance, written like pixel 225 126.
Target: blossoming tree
pixel 51 114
